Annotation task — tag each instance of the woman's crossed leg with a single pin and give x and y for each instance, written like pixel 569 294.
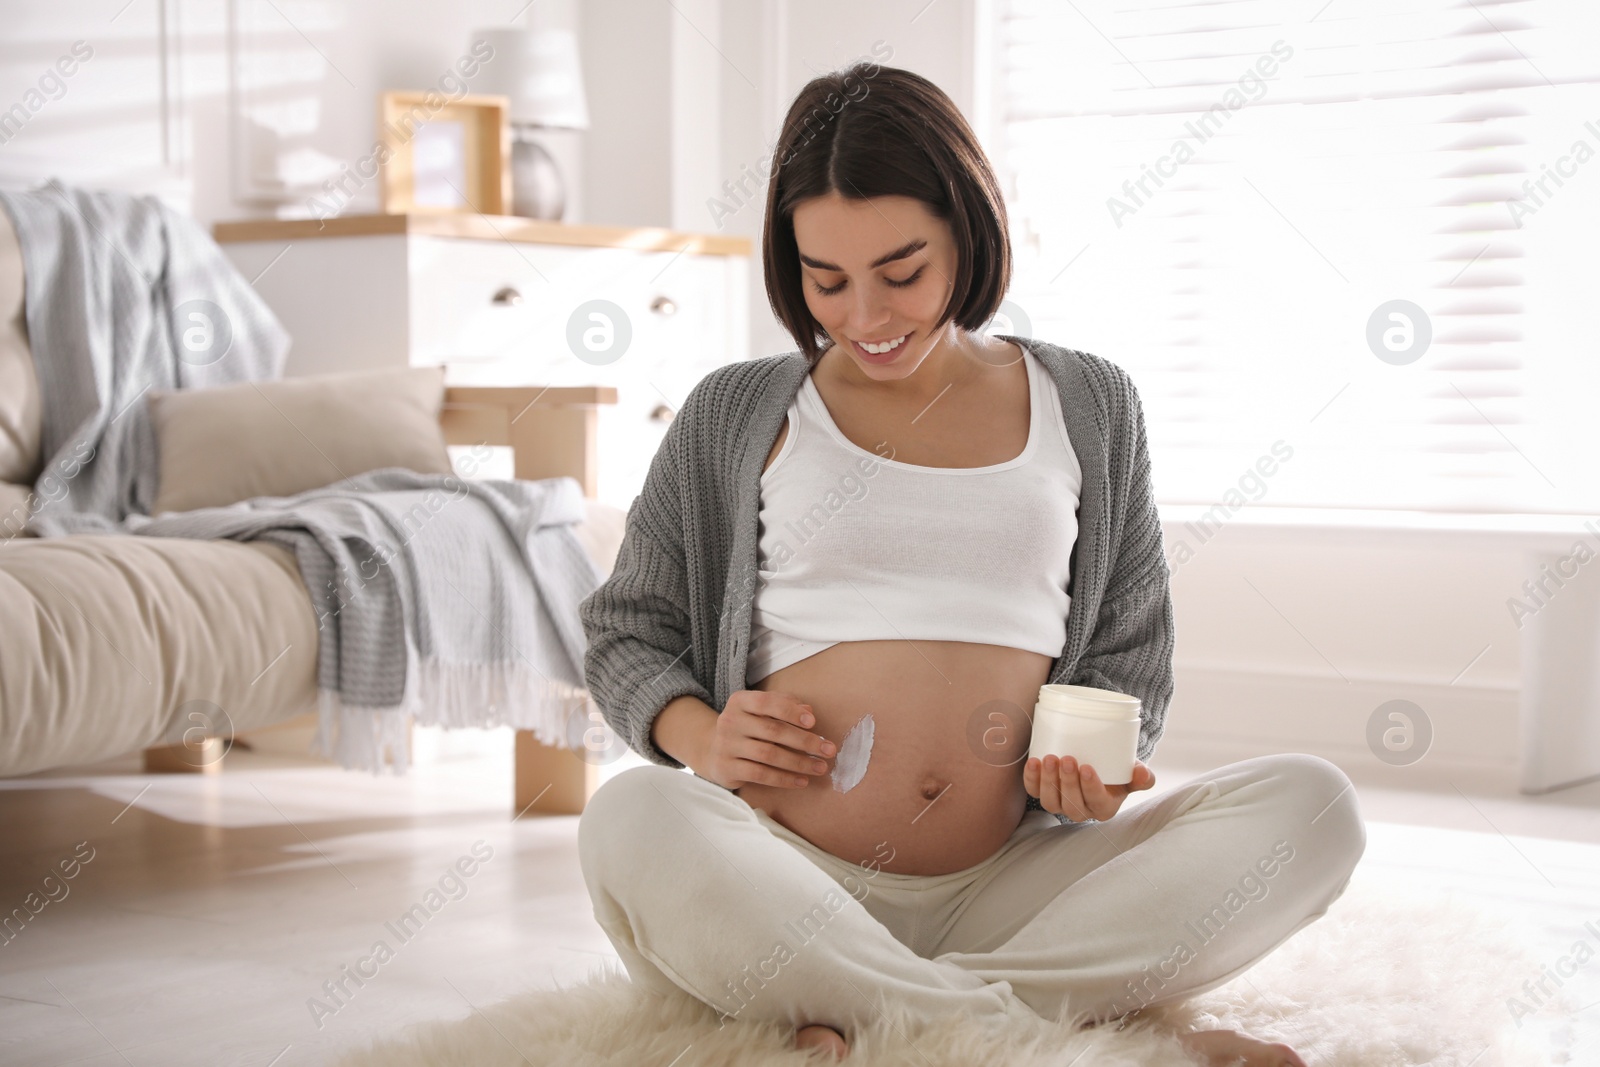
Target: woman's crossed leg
pixel 701 893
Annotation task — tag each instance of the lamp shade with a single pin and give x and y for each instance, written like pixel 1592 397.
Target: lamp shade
pixel 539 71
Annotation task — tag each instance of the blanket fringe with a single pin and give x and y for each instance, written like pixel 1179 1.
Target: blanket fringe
pixel 451 695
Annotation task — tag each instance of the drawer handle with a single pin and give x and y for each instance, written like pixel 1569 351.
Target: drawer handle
pixel 663 305
pixel 662 413
pixel 507 297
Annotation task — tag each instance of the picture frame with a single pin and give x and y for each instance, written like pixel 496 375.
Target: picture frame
pixel 443 155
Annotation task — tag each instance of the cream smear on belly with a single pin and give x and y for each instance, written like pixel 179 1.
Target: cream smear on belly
pixel 851 765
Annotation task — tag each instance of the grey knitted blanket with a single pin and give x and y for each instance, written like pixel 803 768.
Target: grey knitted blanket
pixel 439 600
pixel 451 601
pixel 123 295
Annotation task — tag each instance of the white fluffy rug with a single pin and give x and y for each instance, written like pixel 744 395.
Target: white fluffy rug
pixel 1379 981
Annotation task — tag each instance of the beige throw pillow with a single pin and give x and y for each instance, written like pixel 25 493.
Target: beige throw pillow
pixel 19 390
pixel 230 443
pixel 14 510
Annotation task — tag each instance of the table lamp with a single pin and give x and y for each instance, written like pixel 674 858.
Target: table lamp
pixel 539 72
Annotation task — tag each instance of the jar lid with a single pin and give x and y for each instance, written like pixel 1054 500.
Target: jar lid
pixel 1089 701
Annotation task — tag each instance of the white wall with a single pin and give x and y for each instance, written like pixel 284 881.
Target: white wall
pixel 237 108
pixel 246 108
pixel 627 155
pixel 1292 639
pixel 1285 640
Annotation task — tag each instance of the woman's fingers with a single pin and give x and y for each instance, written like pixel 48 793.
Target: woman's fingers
pixel 1052 789
pixel 1055 785
pixel 1143 777
pixel 1102 800
pixel 783 759
pixel 1070 786
pixel 1067 788
pixel 1033 780
pixel 1047 785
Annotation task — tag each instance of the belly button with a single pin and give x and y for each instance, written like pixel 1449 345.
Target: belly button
pixel 932 787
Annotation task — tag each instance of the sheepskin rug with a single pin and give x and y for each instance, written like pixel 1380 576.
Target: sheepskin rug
pixel 1381 980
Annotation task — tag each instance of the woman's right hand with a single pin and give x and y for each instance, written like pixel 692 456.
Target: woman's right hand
pixel 763 738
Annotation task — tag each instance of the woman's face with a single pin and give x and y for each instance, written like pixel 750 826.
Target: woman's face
pixel 858 294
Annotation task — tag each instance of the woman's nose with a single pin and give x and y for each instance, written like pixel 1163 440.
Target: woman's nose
pixel 867 312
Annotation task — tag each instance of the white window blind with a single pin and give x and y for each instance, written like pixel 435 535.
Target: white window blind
pixel 1219 196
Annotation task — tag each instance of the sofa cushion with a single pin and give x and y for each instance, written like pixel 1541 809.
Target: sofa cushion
pixel 13 510
pixel 19 388
pixel 276 438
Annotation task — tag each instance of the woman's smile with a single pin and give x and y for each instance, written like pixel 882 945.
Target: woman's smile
pixel 881 356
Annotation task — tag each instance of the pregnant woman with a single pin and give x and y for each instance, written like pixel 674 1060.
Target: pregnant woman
pixel 849 571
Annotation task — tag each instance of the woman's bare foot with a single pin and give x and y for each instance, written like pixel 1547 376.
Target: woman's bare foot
pixel 825 1037
pixel 1229 1048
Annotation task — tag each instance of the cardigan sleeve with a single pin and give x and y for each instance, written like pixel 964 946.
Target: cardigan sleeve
pixel 639 654
pixel 1130 650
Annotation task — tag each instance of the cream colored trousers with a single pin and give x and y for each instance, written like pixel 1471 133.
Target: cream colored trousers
pixel 702 893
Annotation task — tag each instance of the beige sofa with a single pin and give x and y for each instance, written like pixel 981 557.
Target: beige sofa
pixel 110 643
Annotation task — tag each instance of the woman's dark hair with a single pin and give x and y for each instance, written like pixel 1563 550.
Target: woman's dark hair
pixel 866 131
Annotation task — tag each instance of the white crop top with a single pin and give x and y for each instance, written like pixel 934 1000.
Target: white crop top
pixel 857 547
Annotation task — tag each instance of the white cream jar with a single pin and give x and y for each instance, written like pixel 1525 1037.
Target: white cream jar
pixel 1097 727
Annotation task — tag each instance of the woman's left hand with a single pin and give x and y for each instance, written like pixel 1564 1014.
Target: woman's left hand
pixel 1064 788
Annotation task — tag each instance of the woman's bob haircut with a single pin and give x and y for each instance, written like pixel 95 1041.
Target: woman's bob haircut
pixel 866 131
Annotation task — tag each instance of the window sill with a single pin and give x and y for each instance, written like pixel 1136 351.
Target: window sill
pixel 1509 530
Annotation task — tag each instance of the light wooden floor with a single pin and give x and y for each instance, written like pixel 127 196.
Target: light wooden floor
pixel 215 908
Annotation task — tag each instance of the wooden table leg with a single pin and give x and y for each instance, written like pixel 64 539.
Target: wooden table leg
pixel 203 756
pixel 550 780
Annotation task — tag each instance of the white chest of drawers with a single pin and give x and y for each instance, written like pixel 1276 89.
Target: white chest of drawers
pixel 499 301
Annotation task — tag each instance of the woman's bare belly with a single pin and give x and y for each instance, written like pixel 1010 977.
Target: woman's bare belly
pixel 942 788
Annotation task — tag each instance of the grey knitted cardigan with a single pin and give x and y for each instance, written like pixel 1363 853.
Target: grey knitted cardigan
pixel 673 618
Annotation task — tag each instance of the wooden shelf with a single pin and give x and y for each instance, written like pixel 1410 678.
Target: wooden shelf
pixel 482 227
pixel 520 397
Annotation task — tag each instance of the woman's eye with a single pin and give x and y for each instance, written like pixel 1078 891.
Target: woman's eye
pixel 898 285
